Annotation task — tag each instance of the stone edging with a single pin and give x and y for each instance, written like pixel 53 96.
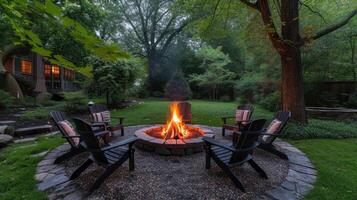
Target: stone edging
pixel 301 175
pixel 299 181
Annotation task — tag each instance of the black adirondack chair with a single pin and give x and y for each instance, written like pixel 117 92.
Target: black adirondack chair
pixel 267 142
pixel 110 157
pixel 97 108
pixel 76 148
pixel 227 156
pixel 238 124
pixel 185 110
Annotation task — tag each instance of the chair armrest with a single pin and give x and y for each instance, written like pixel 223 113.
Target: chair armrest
pixel 118 117
pixel 75 136
pixel 101 133
pixel 211 141
pixel 98 124
pixel 128 141
pixel 271 134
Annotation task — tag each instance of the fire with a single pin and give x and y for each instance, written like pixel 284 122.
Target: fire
pixel 174 127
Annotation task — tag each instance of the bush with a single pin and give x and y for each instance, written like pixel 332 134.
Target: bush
pixel 75 102
pixel 321 129
pixel 5 99
pixel 177 88
pixel 271 102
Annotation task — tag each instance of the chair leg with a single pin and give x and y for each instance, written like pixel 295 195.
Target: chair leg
pixel 131 160
pixel 271 149
pixel 208 157
pixel 258 169
pixel 230 174
pixel 68 155
pixel 81 169
pixel 122 131
pixel 223 131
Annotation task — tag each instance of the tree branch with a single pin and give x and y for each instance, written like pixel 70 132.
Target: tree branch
pixel 312 10
pixel 330 28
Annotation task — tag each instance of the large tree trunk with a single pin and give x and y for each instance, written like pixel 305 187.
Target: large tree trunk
pixel 292 72
pixel 292 90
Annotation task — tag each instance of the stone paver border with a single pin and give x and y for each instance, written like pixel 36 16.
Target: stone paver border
pixel 298 182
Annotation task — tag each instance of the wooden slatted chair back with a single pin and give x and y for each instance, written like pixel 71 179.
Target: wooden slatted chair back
pixel 247 107
pixel 96 108
pixel 57 117
pixel 92 144
pixel 284 117
pixel 248 140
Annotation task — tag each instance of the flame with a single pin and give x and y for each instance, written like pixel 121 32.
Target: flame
pixel 174 127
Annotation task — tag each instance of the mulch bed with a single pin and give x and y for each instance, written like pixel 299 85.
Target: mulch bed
pixel 180 177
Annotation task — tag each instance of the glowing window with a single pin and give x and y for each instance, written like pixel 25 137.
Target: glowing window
pixel 55 72
pixel 47 71
pixel 26 67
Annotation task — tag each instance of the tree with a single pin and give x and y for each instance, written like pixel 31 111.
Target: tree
pixel 214 62
pixel 288 45
pixel 147 28
pixel 287 40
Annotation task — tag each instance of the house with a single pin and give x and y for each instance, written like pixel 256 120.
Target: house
pixel 46 77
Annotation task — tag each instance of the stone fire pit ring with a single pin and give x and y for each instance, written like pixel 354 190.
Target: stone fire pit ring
pixel 171 146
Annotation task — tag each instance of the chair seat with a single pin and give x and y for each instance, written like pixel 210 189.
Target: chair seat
pixel 115 154
pixel 223 154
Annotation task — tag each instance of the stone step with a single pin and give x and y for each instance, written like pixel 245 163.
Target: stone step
pixel 33 130
pixel 7 122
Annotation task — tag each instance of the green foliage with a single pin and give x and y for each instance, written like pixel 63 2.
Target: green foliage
pixel 20 14
pixel 6 100
pixel 116 78
pixel 271 101
pixel 177 88
pixel 322 129
pixel 75 102
pixel 214 62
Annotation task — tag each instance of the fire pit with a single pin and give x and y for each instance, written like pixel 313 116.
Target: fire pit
pixel 173 138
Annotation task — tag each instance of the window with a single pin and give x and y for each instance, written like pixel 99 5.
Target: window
pixel 47 71
pixel 68 74
pixel 26 67
pixel 55 72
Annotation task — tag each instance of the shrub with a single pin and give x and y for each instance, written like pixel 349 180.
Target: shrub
pixel 75 102
pixel 271 102
pixel 177 88
pixel 321 129
pixel 5 99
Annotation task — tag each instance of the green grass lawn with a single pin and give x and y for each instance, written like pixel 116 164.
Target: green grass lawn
pixel 335 160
